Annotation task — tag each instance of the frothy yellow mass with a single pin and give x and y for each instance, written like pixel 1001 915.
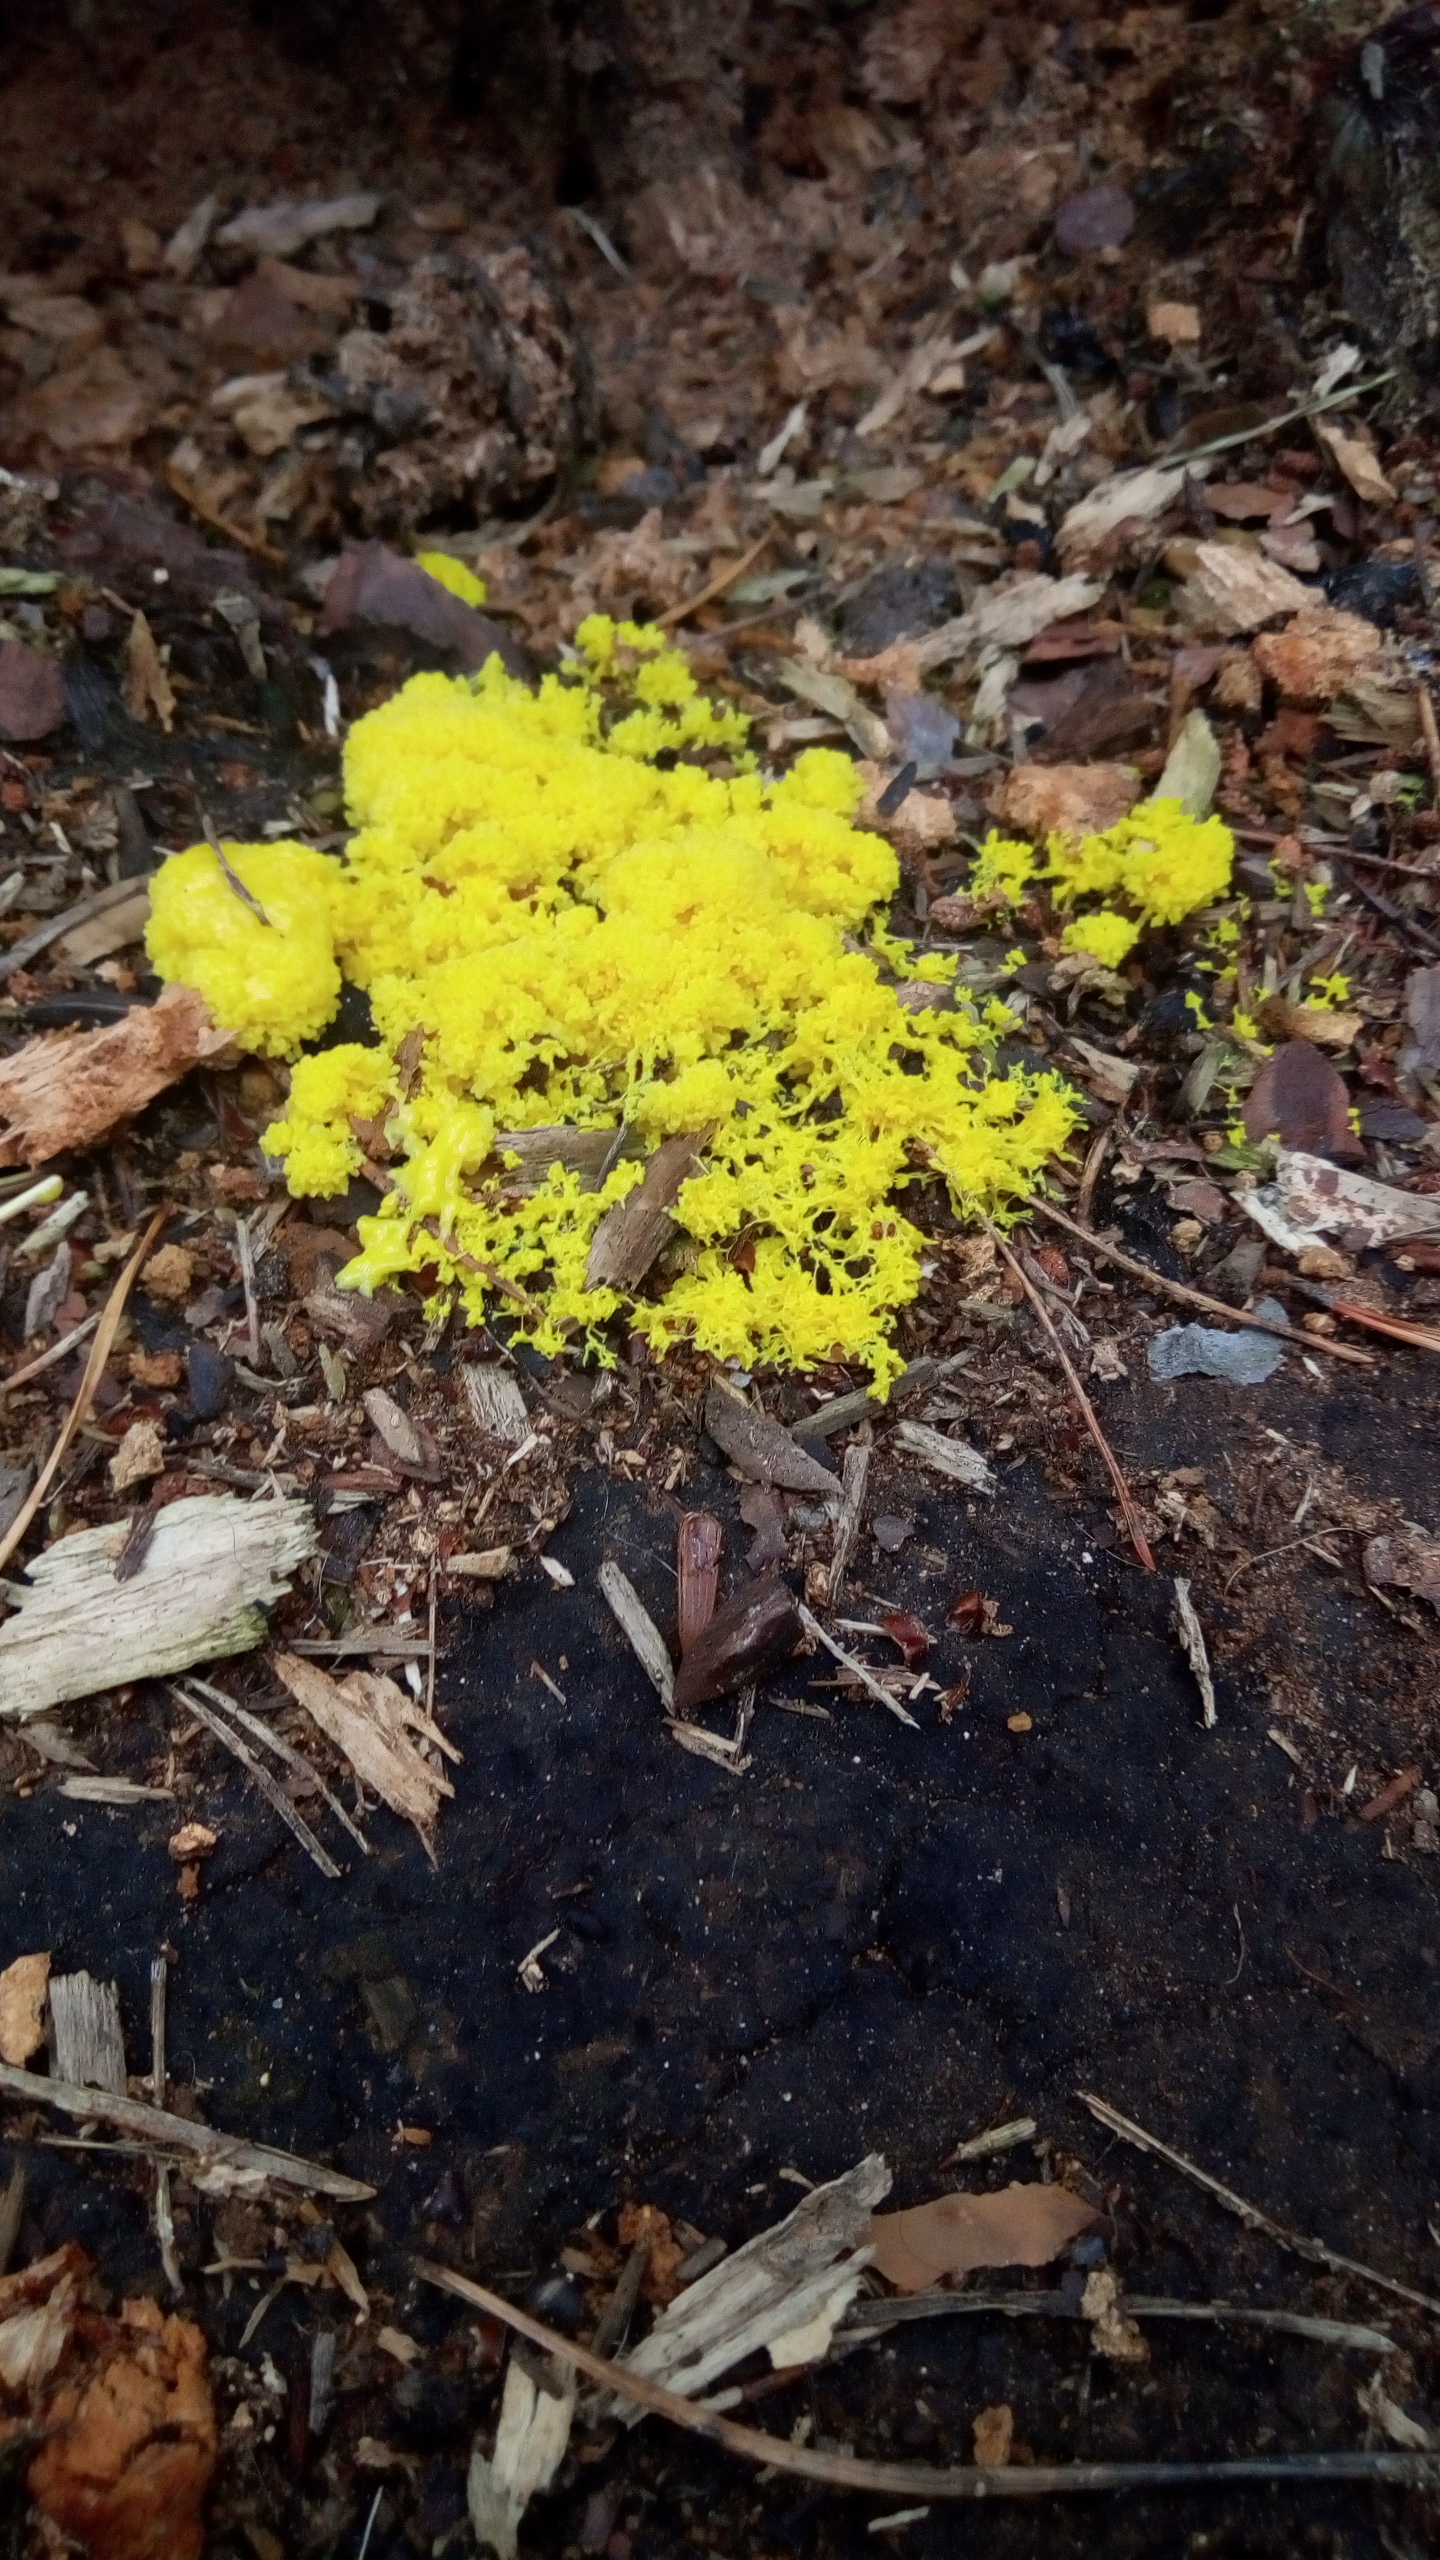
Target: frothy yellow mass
pixel 569 919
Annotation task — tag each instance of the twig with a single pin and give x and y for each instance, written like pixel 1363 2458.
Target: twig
pixel 1133 1522
pixel 12 2214
pixel 20 954
pixel 246 896
pixel 430 1665
pixel 1095 1158
pixel 865 2317
pixel 1252 2215
pixel 1421 1337
pixel 717 586
pixel 1287 418
pixel 1386 907
pixel 273 1793
pixel 47 1359
pixel 284 1751
pixel 191 498
pixel 971 2481
pixel 1196 1297
pixel 854 1476
pixel 851 1662
pixel 156 2129
pixel 100 1348
pixel 247 1283
pixel 164 2215
pixel 1431 736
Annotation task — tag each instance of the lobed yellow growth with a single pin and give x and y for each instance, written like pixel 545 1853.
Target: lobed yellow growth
pixel 586 928
pixel 1160 862
pixel 449 572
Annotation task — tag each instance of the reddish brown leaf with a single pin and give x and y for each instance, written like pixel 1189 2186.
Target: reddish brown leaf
pixel 1021 2226
pixel 1298 1096
pixel 968 1613
pixel 909 1635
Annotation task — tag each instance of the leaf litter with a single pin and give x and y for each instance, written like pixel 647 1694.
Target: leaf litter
pixel 1295 1008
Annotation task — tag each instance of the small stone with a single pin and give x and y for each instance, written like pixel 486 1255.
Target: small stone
pixel 209 1377
pixel 891 1532
pixel 141 1454
pixel 169 1275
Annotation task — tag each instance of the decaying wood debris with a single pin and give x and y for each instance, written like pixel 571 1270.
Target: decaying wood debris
pixel 62 1094
pixel 214 1565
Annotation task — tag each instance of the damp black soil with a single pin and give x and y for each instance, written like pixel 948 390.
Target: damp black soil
pixel 875 1939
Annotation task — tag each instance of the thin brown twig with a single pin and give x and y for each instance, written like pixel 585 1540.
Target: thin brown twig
pixel 191 498
pixel 1196 1297
pixel 1095 1157
pixel 47 1359
pixel 1126 1498
pixel 1431 736
pixel 100 1350
pixel 1252 2215
pixel 970 2481
pixel 718 586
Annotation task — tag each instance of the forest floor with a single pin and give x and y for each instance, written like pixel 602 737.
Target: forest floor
pixel 971 278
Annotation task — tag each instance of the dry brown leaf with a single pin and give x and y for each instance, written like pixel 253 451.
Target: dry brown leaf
pixel 762 1449
pixel 924 822
pixel 1021 2226
pixel 1404 1559
pixel 23 1986
pixel 61 1094
pixel 371 1721
pixel 1175 324
pixel 1068 799
pixel 1298 1095
pixel 146 685
pixel 1353 449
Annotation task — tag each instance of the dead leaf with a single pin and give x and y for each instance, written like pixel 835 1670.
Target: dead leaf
pixel 23 1987
pixel 750 1637
pixel 146 686
pixel 1020 2226
pixel 760 1448
pixel 371 1721
pixel 1299 1096
pixel 126 2470
pixel 1406 1559
pixel 32 694
pixel 98 402
pixel 1241 501
pixel 1318 655
pixel 1110 1079
pixel 923 823
pixel 375 584
pixel 994 2431
pixel 631 1234
pixel 412 1449
pixel 1280 1020
pixel 62 1093
pixel 1068 799
pixel 1353 448
pixel 1311 1197
pixel 1232 591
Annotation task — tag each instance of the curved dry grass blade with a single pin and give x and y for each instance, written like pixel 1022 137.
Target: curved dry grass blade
pixel 100 1350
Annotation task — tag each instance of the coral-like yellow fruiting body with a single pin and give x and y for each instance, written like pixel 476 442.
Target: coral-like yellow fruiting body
pixel 569 920
pixel 1105 937
pixel 274 983
pixel 1160 862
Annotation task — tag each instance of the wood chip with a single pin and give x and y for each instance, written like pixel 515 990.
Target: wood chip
pixel 762 1449
pixel 215 1564
pixel 757 1630
pixel 1192 1636
pixel 371 1721
pixel 146 685
pixel 645 1639
pixel 62 1094
pixel 953 1458
pixel 1233 591
pixel 399 1433
pixel 631 1234
pixel 89 2040
pixel 496 1404
pixel 224 2165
